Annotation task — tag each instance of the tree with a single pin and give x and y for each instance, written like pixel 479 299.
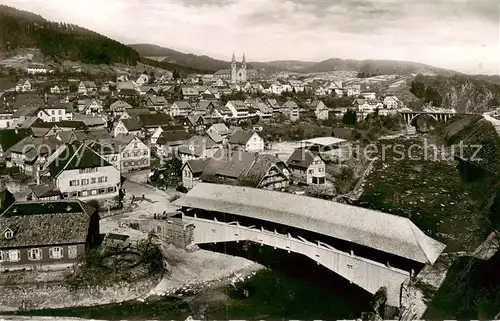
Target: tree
pixel 432 96
pixel 176 75
pixel 418 89
pixel 349 117
pixel 73 88
pixel 152 78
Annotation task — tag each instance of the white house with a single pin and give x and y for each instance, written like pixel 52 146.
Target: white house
pixel 134 154
pixel 33 69
pixel 180 108
pixel 238 109
pixel 87 87
pixel 80 172
pixel 54 113
pixel 119 107
pixel 55 89
pixel 127 127
pixel 320 110
pixel 392 102
pixel 23 86
pixel 247 141
pixel 307 167
pixel 6 119
pixel 93 107
pixel 142 80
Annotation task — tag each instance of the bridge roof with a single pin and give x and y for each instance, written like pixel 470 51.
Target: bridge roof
pixel 385 232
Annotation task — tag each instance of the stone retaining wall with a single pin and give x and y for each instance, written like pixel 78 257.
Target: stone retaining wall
pixel 58 295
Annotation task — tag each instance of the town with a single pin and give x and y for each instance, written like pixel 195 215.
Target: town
pixel 135 184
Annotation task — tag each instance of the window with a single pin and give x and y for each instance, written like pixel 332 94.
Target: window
pixel 111 189
pixel 74 183
pixel 13 256
pixel 8 234
pixel 94 192
pixel 102 191
pixel 321 170
pixel 85 181
pixel 72 251
pixel 310 171
pixel 2 256
pixel 102 179
pixel 125 155
pixel 135 145
pixel 52 112
pixel 60 112
pixel 56 253
pixel 74 194
pixel 93 180
pixel 113 158
pixel 34 254
pixel 145 153
pixel 53 119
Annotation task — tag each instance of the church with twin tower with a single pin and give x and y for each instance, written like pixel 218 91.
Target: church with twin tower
pixel 238 74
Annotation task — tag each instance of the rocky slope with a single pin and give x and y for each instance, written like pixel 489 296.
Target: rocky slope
pixel 464 93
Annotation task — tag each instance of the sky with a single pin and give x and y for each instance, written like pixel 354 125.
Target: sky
pixel 459 35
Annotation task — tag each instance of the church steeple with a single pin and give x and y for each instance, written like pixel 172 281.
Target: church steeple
pixel 244 61
pixel 233 61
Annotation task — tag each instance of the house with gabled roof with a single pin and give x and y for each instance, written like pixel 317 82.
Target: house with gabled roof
pixel 134 154
pixel 157 102
pixel 127 127
pixel 39 235
pixel 306 166
pixel 92 107
pixel 192 170
pixel 118 107
pixel 151 122
pixel 273 103
pixel 10 137
pixel 87 87
pixel 189 92
pixel 197 123
pixel 169 141
pixel 168 128
pixel 238 108
pixel 319 109
pixel 246 140
pixel 243 168
pixel 80 172
pixel 197 147
pixel 180 108
pixel 221 129
pixel 31 154
pixel 23 85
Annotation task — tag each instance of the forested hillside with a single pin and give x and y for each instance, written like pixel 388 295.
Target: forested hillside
pixel 462 92
pixel 22 29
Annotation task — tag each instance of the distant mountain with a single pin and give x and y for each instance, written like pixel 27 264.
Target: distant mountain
pixel 365 67
pixel 284 65
pixel 174 57
pixel 22 29
pixel 378 67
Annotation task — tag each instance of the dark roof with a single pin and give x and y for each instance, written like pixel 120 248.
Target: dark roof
pixel 301 157
pixel 154 120
pixel 10 137
pixel 228 164
pixel 197 166
pixel 183 104
pixel 240 137
pixel 262 165
pixel 173 136
pixel 131 124
pixel 45 190
pixel 74 124
pixel 76 156
pixel 46 223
